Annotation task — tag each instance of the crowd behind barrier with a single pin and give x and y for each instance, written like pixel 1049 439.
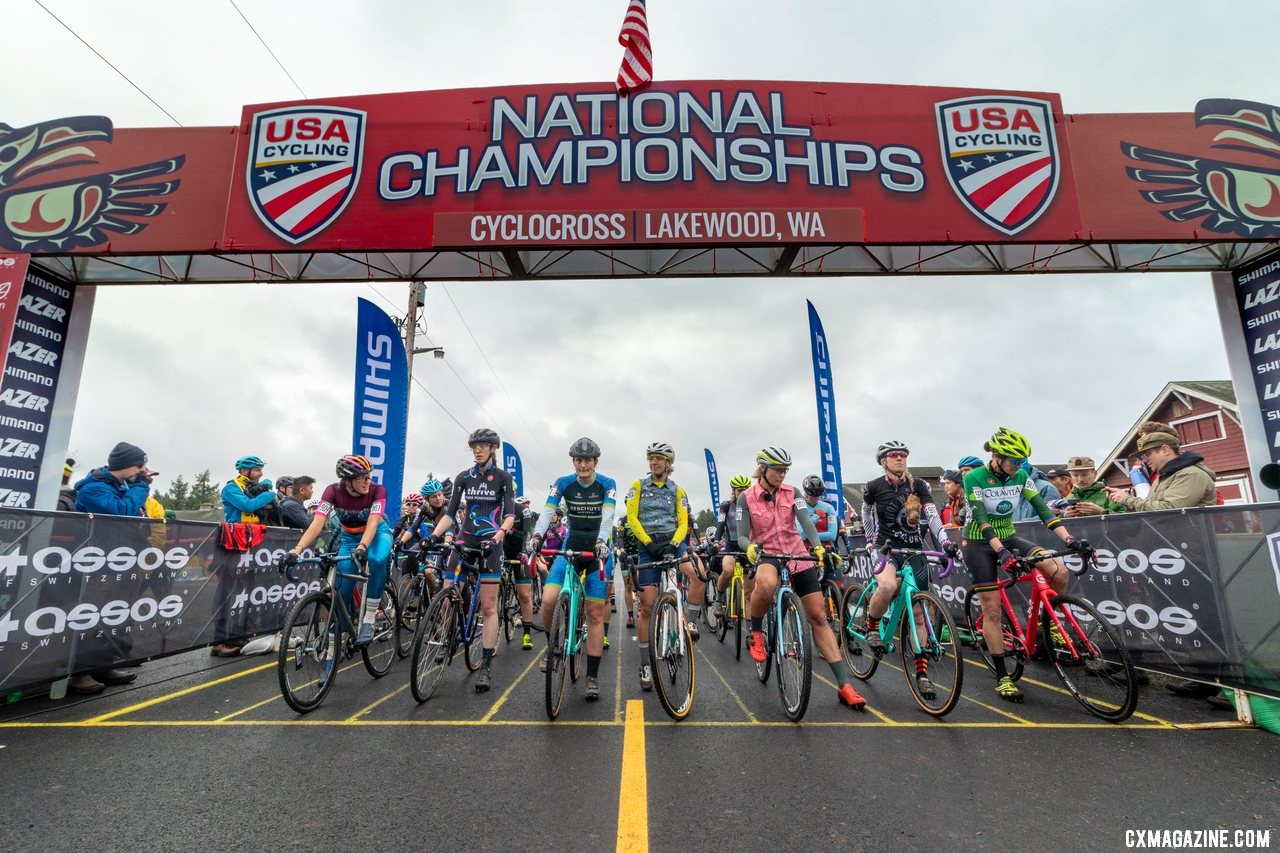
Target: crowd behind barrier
pixel 1194 593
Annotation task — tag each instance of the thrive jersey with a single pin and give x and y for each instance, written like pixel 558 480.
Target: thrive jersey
pixel 993 499
pixel 588 510
pixel 490 497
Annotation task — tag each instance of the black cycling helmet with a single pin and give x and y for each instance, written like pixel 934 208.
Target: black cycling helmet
pixel 584 448
pixel 484 435
pixel 814 486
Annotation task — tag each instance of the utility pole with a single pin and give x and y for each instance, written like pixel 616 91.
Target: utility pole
pixel 417 300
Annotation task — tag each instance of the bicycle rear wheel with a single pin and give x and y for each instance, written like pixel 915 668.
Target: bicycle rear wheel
pixel 1012 646
pixel 862 662
pixel 557 666
pixel 831 605
pixel 795 657
pixel 383 650
pixel 739 598
pixel 770 640
pixel 671 657
pixel 414 600
pixel 307 665
pixel 1100 674
pixel 940 651
pixel 433 645
pixel 709 598
pixel 508 609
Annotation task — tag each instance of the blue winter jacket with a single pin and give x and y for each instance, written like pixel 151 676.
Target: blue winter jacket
pixel 103 494
pixel 238 506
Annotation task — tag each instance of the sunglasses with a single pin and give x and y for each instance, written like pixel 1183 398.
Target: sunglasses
pixel 658 458
pixel 897 454
pixel 783 468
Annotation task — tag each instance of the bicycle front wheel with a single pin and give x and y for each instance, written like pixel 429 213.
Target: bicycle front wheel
pixel 935 673
pixel 433 645
pixel 307 665
pixel 472 645
pixel 1012 647
pixel 1098 671
pixel 383 650
pixel 509 610
pixel 671 656
pixel 709 598
pixel 557 665
pixel 795 657
pixel 414 600
pixel 862 662
pixel 578 660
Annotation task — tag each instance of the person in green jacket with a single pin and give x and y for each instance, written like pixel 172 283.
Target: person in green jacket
pixel 1184 480
pixel 1089 490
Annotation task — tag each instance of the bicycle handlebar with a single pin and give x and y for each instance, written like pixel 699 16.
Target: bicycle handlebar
pixel 911 552
pixel 1087 558
pixel 575 555
pixel 320 559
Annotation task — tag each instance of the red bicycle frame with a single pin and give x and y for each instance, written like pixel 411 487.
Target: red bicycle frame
pixel 1041 595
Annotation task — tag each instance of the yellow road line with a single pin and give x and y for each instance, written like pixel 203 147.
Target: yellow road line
pixel 867 707
pixel 1057 689
pixel 991 708
pixel 750 716
pixel 617 689
pixel 156 701
pixel 633 790
pixel 840 724
pixel 503 698
pixel 358 714
pixel 270 699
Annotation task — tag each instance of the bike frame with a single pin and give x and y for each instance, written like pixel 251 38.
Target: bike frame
pixel 338 608
pixel 1041 594
pixel 907 588
pixel 774 616
pixel 671 576
pixel 471 585
pixel 574 635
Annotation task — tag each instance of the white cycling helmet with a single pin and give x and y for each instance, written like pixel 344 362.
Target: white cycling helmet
pixel 775 457
pixel 660 448
pixel 890 446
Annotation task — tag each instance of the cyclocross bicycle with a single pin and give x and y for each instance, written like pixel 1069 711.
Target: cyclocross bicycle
pixel 734 608
pixel 1087 653
pixel 414 594
pixel 671 657
pixel 929 635
pixel 319 633
pixel 453 619
pixel 788 641
pixel 567 641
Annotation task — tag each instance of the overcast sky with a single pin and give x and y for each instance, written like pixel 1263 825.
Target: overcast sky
pixel 201 374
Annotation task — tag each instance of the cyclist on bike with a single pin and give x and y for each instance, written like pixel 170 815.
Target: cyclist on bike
pixel 658 514
pixel 408 509
pixel 727 532
pixel 767 515
pixel 625 548
pixel 825 521
pixel 994 492
pixel 418 531
pixel 589 499
pixel 359 505
pixel 894 505
pixel 512 549
pixel 489 495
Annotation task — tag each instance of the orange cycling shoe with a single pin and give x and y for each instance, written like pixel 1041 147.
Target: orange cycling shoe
pixel 758 651
pixel 849 696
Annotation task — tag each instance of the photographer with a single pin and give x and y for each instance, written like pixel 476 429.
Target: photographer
pixel 244 496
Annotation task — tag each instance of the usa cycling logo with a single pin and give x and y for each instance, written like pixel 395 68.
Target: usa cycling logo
pixel 1001 158
pixel 303 167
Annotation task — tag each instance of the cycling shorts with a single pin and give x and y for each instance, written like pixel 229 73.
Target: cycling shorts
pixel 595 587
pixel 917 562
pixel 981 560
pixel 489 566
pixel 646 576
pixel 804 581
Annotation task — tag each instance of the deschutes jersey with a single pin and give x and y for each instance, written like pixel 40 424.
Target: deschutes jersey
pixel 588 510
pixel 993 500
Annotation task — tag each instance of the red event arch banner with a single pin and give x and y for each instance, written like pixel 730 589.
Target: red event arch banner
pixel 695 162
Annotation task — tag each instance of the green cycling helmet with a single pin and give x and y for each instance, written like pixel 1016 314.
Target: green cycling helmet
pixel 1010 444
pixel 740 481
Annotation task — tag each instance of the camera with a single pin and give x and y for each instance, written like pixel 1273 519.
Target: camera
pixel 255 489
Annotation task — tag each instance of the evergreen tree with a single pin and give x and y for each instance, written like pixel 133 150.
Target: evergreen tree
pixel 204 490
pixel 705 519
pixel 178 495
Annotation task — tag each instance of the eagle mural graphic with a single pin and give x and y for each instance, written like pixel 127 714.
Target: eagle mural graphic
pixel 73 213
pixel 1228 197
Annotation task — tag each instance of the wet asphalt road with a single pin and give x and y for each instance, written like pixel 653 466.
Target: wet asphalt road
pixel 203 753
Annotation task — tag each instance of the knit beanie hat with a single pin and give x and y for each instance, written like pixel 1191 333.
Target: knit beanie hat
pixel 125 455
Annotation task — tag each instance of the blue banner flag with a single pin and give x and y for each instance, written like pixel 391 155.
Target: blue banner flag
pixel 714 478
pixel 511 462
pixel 381 420
pixel 824 389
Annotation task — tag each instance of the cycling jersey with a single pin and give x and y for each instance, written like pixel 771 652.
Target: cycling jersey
pixel 352 511
pixel 884 512
pixel 823 516
pixel 426 520
pixel 774 521
pixel 513 542
pixel 994 498
pixel 490 497
pixel 588 509
pixel 658 511
pixel 727 523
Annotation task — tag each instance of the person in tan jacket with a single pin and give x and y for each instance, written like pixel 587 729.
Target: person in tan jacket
pixel 1184 480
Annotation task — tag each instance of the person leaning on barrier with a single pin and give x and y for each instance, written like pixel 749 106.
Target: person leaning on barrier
pixel 292 508
pixel 1090 493
pixel 1184 480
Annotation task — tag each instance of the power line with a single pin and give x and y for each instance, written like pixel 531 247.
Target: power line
pixel 269 50
pixel 112 67
pixel 418 382
pixel 479 349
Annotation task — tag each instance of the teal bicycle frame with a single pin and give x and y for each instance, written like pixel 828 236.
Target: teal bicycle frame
pixel 572 627
pixel 901 603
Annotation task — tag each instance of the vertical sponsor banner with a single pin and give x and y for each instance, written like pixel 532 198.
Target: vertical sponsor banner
pixel 713 478
pixel 29 383
pixel 381 418
pixel 13 272
pixel 824 391
pixel 1249 313
pixel 511 462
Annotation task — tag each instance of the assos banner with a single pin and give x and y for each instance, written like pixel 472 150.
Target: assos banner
pixel 713 478
pixel 381 419
pixel 824 391
pixel 511 462
pixel 30 378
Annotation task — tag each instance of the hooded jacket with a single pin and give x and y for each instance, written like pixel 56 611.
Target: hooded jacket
pixel 100 492
pixel 1096 493
pixel 1184 482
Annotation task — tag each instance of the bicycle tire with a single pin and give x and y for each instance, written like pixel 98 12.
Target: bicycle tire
pixel 667 661
pixel 726 611
pixel 557 666
pixel 1104 682
pixel 770 638
pixel 578 660
pixel 738 591
pixel 433 645
pixel 506 601
pixel 1013 658
pixel 857 654
pixel 795 657
pixel 709 617
pixel 381 653
pixel 307 640
pixel 831 606
pixel 414 601
pixel 944 656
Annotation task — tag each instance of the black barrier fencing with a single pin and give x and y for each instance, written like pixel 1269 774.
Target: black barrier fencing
pixel 79 593
pixel 1193 593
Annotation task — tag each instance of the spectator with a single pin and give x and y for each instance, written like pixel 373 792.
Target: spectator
pixel 121 487
pixel 246 494
pixel 1061 480
pixel 956 512
pixel 967 464
pixel 292 509
pixel 1048 494
pixel 1183 479
pixel 67 494
pixel 243 501
pixel 1090 493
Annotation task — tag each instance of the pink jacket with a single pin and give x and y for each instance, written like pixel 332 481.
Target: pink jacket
pixel 773 522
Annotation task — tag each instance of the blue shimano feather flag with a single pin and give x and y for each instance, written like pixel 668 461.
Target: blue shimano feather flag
pixel 511 462
pixel 824 390
pixel 381 420
pixel 714 478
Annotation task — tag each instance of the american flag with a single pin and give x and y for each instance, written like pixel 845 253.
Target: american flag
pixel 636 70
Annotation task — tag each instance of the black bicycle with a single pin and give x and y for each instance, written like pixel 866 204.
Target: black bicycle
pixel 453 620
pixel 415 592
pixel 319 633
